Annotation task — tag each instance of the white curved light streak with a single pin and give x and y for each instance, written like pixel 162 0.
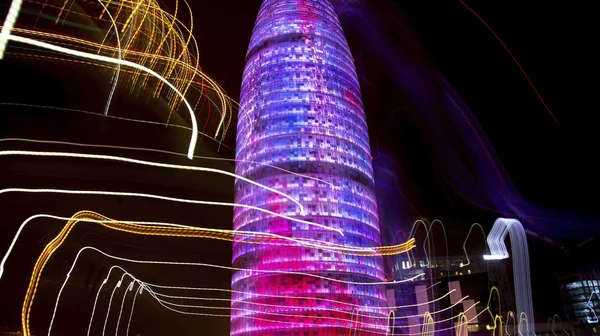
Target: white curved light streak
pixel 118 285
pixel 177 263
pixel 28 220
pixel 133 306
pixel 95 300
pixel 465 243
pixel 129 289
pixel 521 270
pixel 308 323
pixel 410 235
pixel 155 295
pixel 252 294
pixel 164 198
pixel 148 163
pixel 161 302
pixel 164 151
pixel 251 311
pixel 149 285
pixel 592 308
pixel 118 70
pixel 76 53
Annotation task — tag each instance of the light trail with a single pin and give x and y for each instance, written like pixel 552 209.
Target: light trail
pixel 254 295
pixel 129 289
pixel 176 59
pixel 513 58
pixel 492 290
pixel 162 228
pixel 110 304
pixel 391 320
pixel 462 327
pixel 132 307
pixel 155 295
pixel 592 308
pixel 112 117
pixel 166 152
pixel 188 66
pixel 152 164
pixel 9 23
pixel 428 325
pixel 159 300
pixel 101 58
pixel 118 70
pixel 62 236
pixel 164 198
pixel 520 252
pixel 465 242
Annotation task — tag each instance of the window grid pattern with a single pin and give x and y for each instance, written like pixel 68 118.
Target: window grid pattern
pixel 301 110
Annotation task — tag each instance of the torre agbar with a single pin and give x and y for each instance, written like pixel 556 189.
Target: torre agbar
pixel 302 131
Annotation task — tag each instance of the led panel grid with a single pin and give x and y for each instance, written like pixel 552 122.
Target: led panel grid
pixel 301 110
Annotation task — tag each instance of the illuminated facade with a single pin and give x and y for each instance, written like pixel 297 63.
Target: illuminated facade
pixel 301 111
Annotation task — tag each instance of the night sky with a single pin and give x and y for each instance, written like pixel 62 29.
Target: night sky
pixel 552 165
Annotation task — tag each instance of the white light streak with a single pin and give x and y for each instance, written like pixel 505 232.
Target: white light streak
pixel 76 53
pixel 592 308
pixel 118 70
pixel 147 163
pixel 28 220
pixel 110 303
pixel 129 289
pixel 164 198
pixel 465 243
pixel 521 270
pixel 9 23
pixel 160 150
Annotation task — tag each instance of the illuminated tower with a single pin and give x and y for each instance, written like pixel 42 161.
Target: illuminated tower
pixel 301 111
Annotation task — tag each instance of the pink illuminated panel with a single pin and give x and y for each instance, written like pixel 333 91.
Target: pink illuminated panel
pixel 301 110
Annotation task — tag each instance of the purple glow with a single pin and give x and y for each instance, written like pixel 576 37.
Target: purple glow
pixel 301 110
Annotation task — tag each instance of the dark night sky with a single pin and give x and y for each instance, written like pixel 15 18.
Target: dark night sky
pixel 551 165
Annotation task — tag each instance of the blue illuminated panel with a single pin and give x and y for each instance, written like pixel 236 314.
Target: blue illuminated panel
pixel 301 111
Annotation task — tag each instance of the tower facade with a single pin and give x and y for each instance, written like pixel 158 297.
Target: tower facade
pixel 302 130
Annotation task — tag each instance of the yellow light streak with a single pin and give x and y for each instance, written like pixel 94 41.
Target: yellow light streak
pixel 170 231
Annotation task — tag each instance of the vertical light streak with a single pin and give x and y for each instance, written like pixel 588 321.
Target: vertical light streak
pixel 129 289
pixel 523 321
pixel 9 23
pixel 132 307
pixel 462 326
pixel 488 308
pixel 467 238
pixel 520 256
pixel 428 325
pixel 554 318
pixel 76 53
pixel 95 300
pixel 508 317
pixel 118 70
pixel 118 285
pixel 410 235
pixel 391 323
pixel 592 307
